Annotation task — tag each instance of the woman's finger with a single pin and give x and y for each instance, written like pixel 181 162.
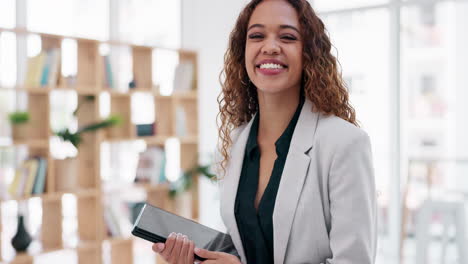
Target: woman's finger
pixel 168 246
pixel 190 256
pixel 183 251
pixel 175 253
pixel 206 253
pixel 158 247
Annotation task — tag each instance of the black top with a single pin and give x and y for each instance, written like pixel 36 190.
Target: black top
pixel 256 227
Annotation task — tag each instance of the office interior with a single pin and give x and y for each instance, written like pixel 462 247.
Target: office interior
pixel 121 63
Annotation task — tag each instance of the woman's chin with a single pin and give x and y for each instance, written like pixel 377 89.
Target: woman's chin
pixel 272 89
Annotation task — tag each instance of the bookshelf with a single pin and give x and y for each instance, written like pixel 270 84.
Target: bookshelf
pixel 89 189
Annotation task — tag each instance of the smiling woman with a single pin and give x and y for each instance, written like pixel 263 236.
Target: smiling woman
pixel 296 174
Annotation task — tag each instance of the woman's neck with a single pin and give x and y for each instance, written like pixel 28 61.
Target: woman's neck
pixel 276 111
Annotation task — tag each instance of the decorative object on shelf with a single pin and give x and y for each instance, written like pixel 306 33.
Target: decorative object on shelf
pixel 19 123
pixel 181 122
pixel 151 166
pixel 184 77
pixel 186 180
pixel 22 238
pixel 132 84
pixel 145 130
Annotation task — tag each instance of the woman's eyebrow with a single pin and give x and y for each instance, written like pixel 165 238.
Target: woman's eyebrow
pixel 281 26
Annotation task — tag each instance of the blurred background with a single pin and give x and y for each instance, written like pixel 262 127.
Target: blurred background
pixel 404 62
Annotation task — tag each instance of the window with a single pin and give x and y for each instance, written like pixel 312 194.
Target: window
pixel 431 122
pixel 327 5
pixel 150 22
pixel 84 18
pixel 7 13
pixel 362 47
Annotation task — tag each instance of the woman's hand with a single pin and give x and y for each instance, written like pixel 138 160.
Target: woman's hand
pixel 213 257
pixel 178 249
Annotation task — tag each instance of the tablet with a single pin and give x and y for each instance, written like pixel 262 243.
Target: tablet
pixel 155 224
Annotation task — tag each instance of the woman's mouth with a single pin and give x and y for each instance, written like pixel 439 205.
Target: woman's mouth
pixel 271 68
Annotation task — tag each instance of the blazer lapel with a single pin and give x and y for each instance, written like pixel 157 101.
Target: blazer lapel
pixel 292 180
pixel 230 184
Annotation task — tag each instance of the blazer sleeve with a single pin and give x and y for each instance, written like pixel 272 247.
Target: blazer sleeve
pixel 352 195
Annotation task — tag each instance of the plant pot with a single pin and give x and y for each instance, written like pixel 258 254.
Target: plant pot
pixel 20 131
pixel 66 174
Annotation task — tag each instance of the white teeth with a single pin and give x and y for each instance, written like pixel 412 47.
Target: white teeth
pixel 271 66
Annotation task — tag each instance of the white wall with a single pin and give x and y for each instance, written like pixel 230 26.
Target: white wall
pixel 206 25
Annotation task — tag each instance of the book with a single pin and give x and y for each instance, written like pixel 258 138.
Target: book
pixel 109 82
pixel 184 77
pixel 14 186
pixel 34 70
pixel 145 130
pixel 151 166
pixel 111 222
pixel 55 66
pixel 181 122
pixel 117 218
pixel 46 68
pixel 39 183
pixel 31 166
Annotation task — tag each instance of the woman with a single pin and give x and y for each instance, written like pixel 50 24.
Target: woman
pixel 297 182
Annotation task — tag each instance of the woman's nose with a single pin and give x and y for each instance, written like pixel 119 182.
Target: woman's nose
pixel 271 47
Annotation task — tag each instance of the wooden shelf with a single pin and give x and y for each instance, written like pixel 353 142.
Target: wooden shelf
pixel 56 195
pixel 185 95
pixel 32 143
pixel 91 193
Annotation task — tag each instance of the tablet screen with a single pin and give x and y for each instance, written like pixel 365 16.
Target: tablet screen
pixel 156 224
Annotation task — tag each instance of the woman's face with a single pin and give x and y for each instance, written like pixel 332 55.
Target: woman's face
pixel 273 50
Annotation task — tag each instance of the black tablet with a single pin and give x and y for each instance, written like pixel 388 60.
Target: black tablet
pixel 155 224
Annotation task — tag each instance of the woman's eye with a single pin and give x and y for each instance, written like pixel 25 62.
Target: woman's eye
pixel 289 37
pixel 255 36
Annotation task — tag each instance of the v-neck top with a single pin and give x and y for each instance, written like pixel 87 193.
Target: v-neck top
pixel 256 225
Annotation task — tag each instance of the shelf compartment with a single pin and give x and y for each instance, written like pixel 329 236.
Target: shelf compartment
pixel 90 66
pixel 121 106
pixel 142 67
pixel 191 57
pixel 52 231
pixel 89 253
pixel 89 218
pixel 189 108
pixel 38 124
pixel 121 250
pixel 164 107
pixel 23 259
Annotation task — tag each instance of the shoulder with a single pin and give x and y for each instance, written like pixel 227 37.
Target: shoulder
pixel 335 133
pixel 218 157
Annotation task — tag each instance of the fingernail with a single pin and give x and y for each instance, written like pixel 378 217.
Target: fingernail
pixel 160 247
pixel 172 234
pixel 196 250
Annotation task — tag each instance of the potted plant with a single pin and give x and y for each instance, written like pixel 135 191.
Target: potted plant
pixel 69 166
pixel 19 123
pixel 186 181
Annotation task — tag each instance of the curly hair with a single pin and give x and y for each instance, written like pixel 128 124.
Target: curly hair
pixel 321 81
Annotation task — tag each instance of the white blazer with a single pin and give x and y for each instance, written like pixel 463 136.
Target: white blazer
pixel 325 210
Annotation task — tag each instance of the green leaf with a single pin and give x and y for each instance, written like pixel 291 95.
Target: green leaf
pixel 19 117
